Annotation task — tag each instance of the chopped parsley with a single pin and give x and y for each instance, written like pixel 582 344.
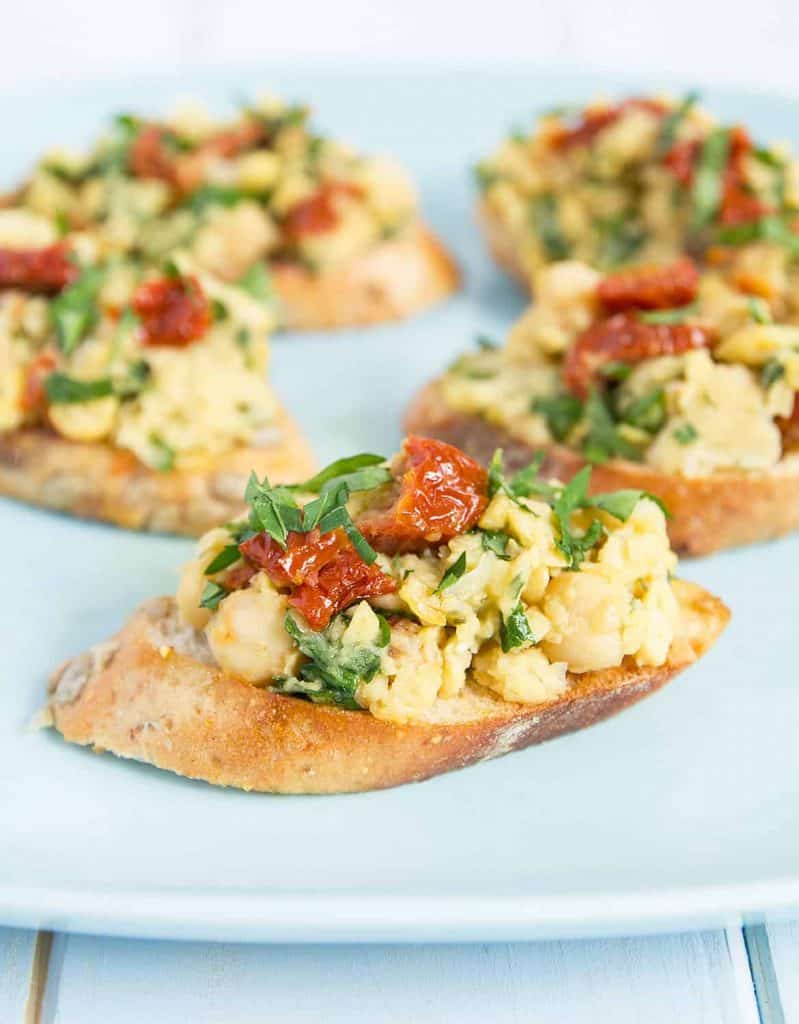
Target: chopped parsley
pixel 496 541
pixel 647 412
pixel 485 176
pixel 686 433
pixel 62 389
pixel 515 631
pixel 544 215
pixel 212 594
pixel 163 456
pixel 620 239
pixel 256 282
pixel 773 371
pixel 74 311
pixel 453 574
pixel 226 557
pixel 615 370
pixel 671 123
pixel 678 315
pixel 603 440
pixel 562 413
pixel 334 671
pixel 707 187
pixel 759 310
pixel 350 471
pixel 215 195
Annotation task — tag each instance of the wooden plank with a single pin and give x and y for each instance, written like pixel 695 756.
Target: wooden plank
pixel 783 940
pixel 660 979
pixel 16 961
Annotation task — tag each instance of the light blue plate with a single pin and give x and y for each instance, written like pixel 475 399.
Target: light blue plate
pixel 683 811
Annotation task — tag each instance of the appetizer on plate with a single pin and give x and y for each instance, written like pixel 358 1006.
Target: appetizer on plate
pixel 639 181
pixel 340 232
pixel 130 392
pixel 387 621
pixel 677 381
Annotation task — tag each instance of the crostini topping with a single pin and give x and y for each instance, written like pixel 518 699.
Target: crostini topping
pixel 652 287
pixel 693 389
pixel 540 580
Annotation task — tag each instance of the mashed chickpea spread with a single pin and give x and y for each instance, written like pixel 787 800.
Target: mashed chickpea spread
pixel 164 360
pixel 260 186
pixel 690 372
pixel 643 181
pixel 393 586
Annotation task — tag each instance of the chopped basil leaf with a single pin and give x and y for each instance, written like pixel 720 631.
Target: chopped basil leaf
pixel 334 672
pixel 669 316
pixel 267 508
pixel 572 497
pixel 671 122
pixel 759 310
pixel 620 239
pixel 707 187
pixel 136 380
pixel 496 542
pixel 74 311
pixel 215 195
pixel 226 557
pixel 171 269
pixel 341 470
pixel 64 390
pixel 647 412
pixel 453 574
pixel 620 504
pixel 61 223
pixel 686 433
pixel 771 372
pixel 544 215
pixel 163 455
pixel 211 596
pixel 603 441
pixel 219 310
pixel 515 631
pixel 384 633
pixel 486 344
pixel 256 282
pixel 615 370
pixel 485 176
pixel 561 412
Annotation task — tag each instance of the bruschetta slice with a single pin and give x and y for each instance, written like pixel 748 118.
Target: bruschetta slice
pixel 679 382
pixel 642 180
pixel 129 392
pixel 340 233
pixel 387 621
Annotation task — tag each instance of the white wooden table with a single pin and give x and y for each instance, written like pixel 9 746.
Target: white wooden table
pixel 718 976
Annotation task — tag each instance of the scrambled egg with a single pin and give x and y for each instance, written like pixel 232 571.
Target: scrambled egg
pixel 515 622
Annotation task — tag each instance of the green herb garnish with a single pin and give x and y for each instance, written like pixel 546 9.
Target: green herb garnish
pixel 759 310
pixel 226 557
pixel 671 122
pixel 164 456
pixel 669 316
pixel 603 440
pixel 74 311
pixel 647 412
pixel 686 433
pixel 256 282
pixel 349 471
pixel 544 215
pixel 562 413
pixel 707 188
pixel 453 574
pixel 212 594
pixel 496 542
pixel 772 371
pixel 515 631
pixel 62 389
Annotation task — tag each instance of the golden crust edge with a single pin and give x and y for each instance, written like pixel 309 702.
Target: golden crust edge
pixel 396 279
pixel 151 695
pixel 708 514
pixel 101 482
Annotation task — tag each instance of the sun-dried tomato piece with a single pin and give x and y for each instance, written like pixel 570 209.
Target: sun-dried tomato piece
pixel 442 493
pixel 652 287
pixel 152 156
pixel 173 311
pixel 625 338
pixel 681 160
pixel 232 141
pixel 38 370
pixel 318 213
pixel 47 270
pixel 593 122
pixel 239 576
pixel 738 205
pixel 323 572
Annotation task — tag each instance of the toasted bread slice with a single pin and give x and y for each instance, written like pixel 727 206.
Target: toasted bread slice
pixel 502 246
pixel 707 514
pixel 397 278
pixel 99 481
pixel 153 694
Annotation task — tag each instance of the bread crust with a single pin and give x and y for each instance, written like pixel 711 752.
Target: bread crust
pixel 395 279
pixel 707 513
pixel 99 481
pixel 153 694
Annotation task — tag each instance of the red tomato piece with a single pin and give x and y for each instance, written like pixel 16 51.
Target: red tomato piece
pixel 38 370
pixel 323 572
pixel 150 155
pixel 173 311
pixel 235 140
pixel 654 287
pixel 625 338
pixel 442 493
pixel 46 270
pixel 317 214
pixel 681 160
pixel 594 121
pixel 789 427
